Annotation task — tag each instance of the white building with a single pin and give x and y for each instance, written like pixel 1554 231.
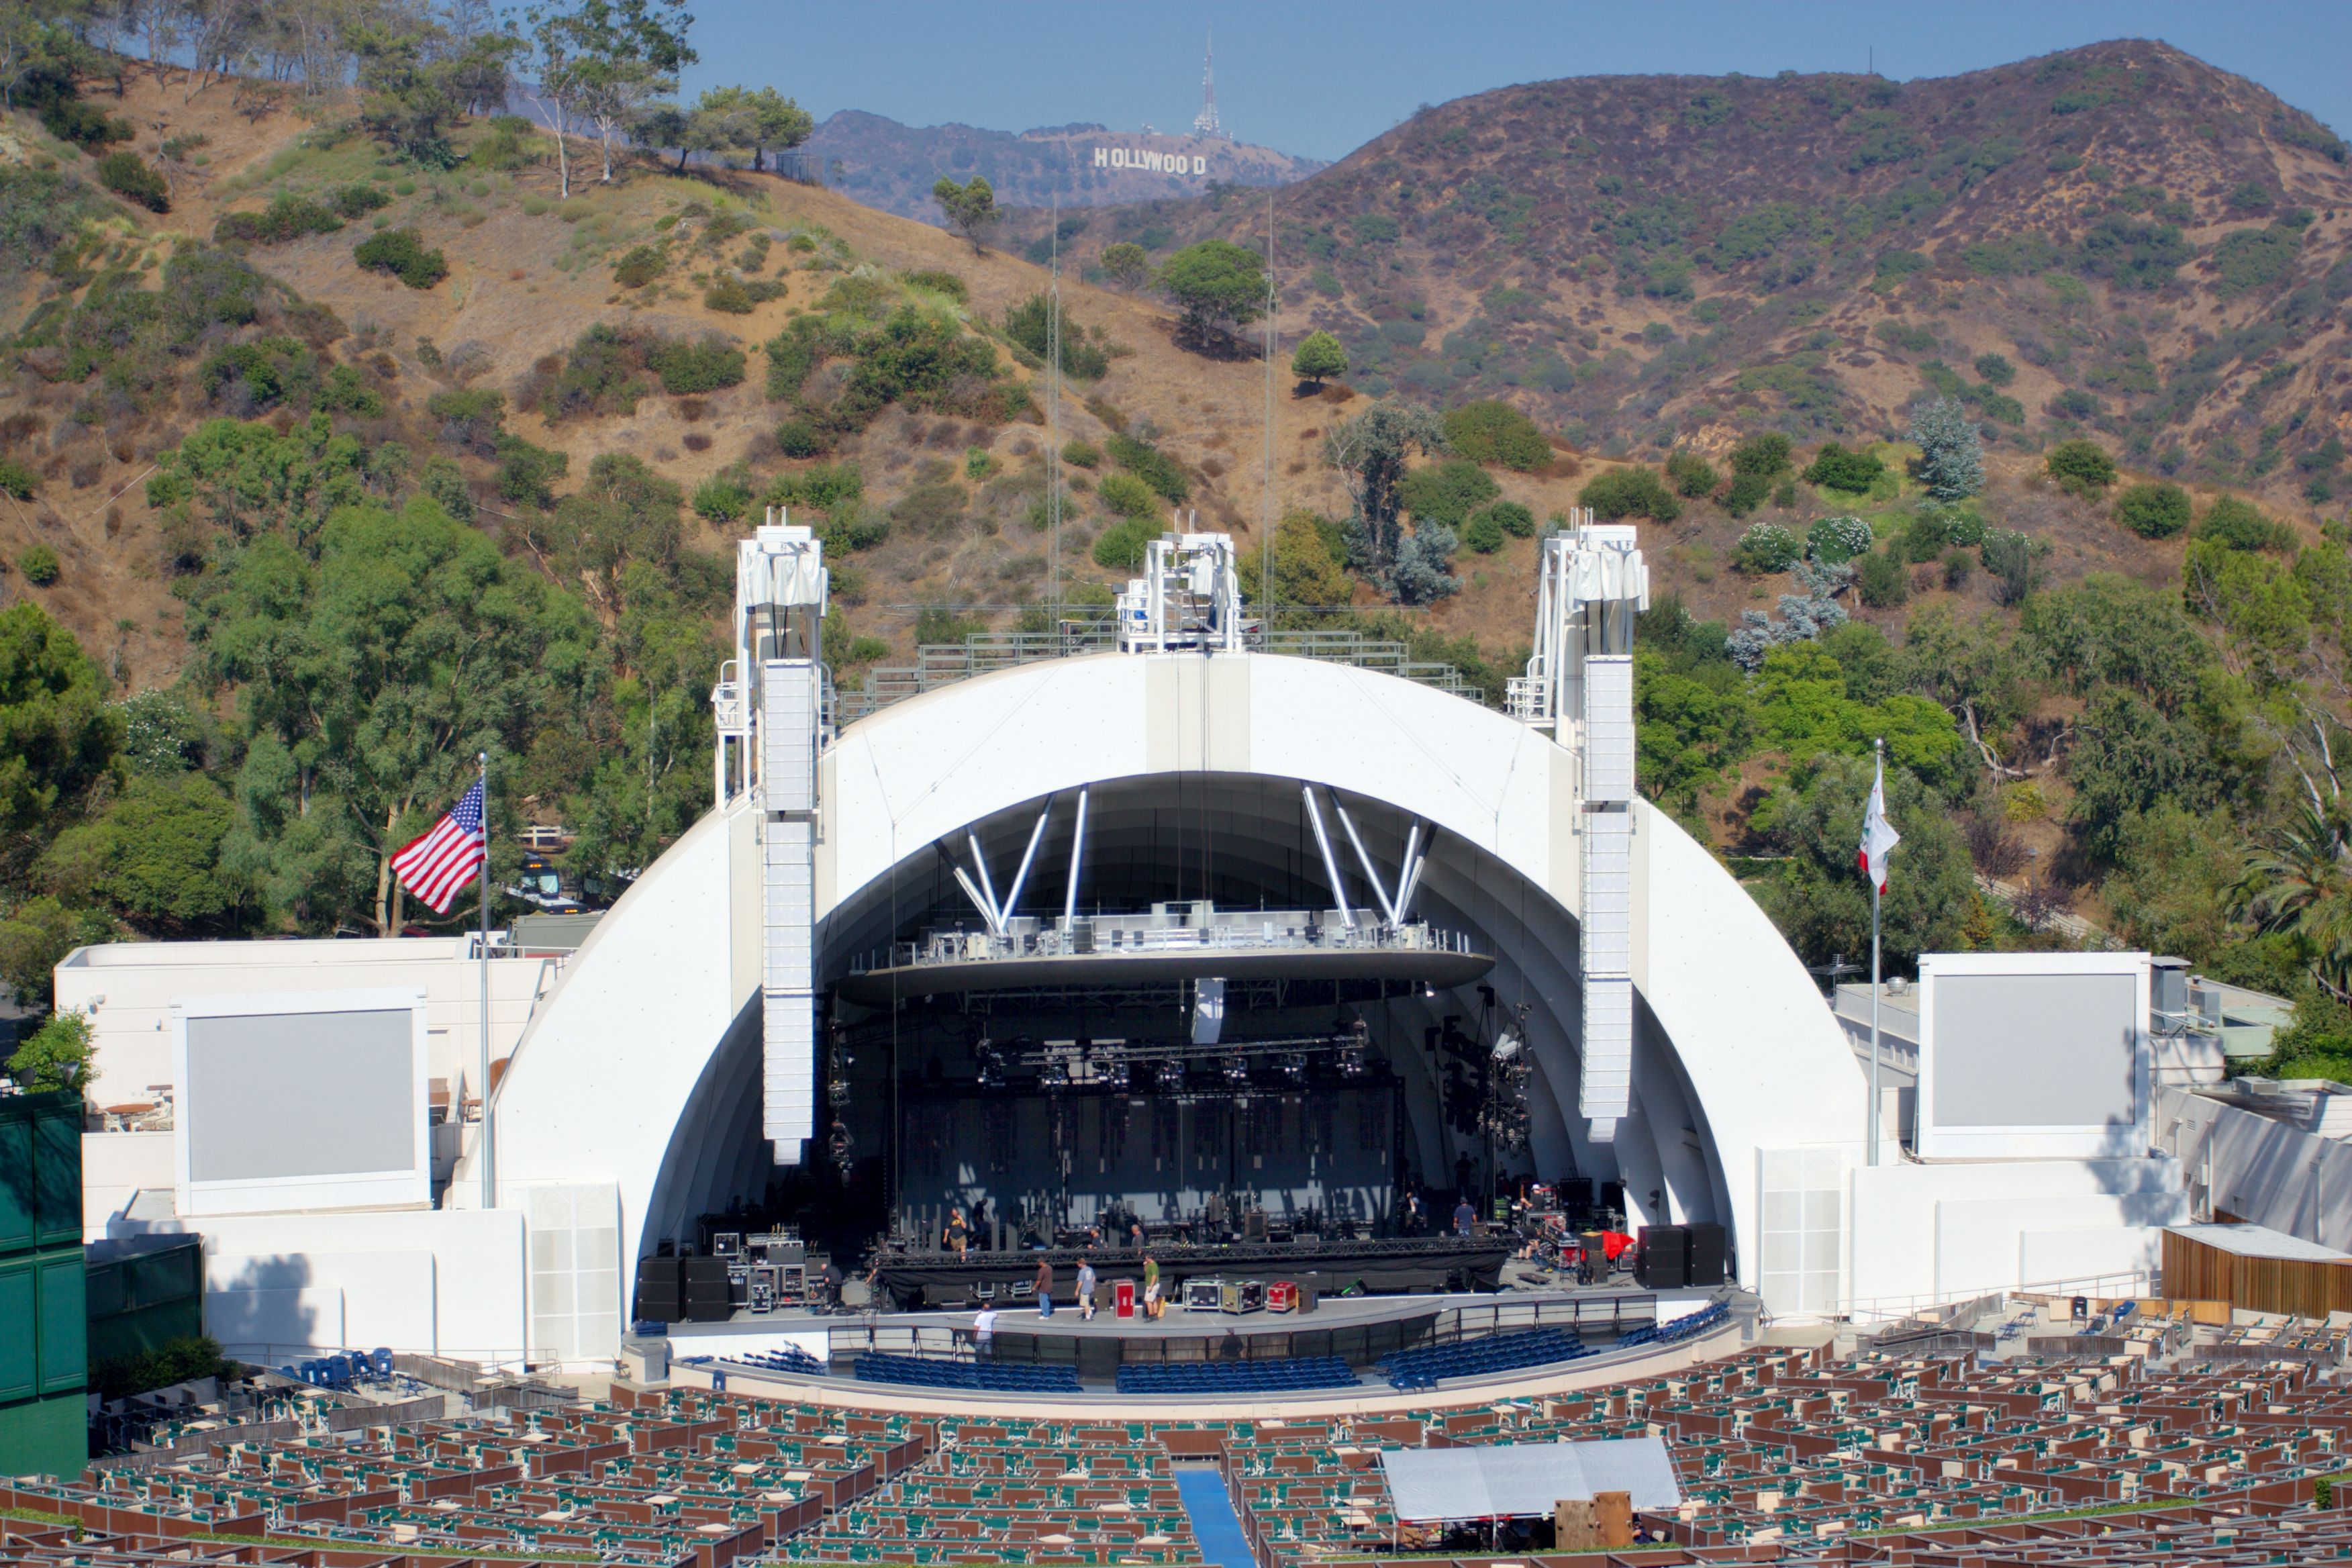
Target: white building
pixel 689 1049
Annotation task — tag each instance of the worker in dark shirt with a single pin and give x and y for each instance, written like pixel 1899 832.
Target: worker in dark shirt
pixel 1466 1218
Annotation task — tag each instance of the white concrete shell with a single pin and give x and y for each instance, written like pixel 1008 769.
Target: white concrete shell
pixel 641 1069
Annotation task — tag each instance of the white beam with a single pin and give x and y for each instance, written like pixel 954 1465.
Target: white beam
pixel 1330 861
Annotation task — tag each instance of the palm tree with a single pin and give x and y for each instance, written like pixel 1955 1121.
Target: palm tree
pixel 2299 881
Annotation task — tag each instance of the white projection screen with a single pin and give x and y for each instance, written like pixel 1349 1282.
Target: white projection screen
pixel 301 1100
pixel 2030 1056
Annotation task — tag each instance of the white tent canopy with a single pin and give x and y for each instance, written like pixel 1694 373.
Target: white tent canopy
pixel 1519 1480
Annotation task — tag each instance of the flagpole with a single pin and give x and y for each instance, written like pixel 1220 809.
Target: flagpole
pixel 1878 756
pixel 490 1148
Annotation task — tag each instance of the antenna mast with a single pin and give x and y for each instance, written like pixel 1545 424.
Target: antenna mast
pixel 1054 419
pixel 1265 490
pixel 1205 123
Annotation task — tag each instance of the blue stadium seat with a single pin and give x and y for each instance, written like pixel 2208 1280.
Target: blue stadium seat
pixel 1428 1365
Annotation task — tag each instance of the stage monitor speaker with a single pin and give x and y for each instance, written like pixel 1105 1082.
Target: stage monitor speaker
pixel 1669 1273
pixel 1707 1263
pixel 661 1271
pixel 657 1306
pixel 703 1271
pixel 1666 1240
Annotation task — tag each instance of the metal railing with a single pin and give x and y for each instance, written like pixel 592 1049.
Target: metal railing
pixel 1097 935
pixel 983 653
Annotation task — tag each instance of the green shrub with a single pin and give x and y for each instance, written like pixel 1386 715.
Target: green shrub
pixel 527 474
pixel 17 480
pixel 179 1359
pixel 1512 518
pixel 285 219
pixel 1880 581
pixel 402 253
pixel 84 125
pixel 1082 454
pixel 1149 464
pixel 1027 324
pixel 1995 369
pixel 1691 475
pixel 1747 492
pixel 1766 548
pixel 827 486
pixel 38 562
pixel 687 368
pixel 1119 547
pixel 940 282
pixel 1494 432
pixel 2081 468
pixel 850 527
pixel 801 438
pixel 2241 525
pixel 639 266
pixel 722 499
pixel 123 174
pixel 1629 492
pixel 1446 492
pixel 1129 497
pixel 1835 468
pixel 735 297
pixel 1483 534
pixel 504 143
pixel 1764 456
pixel 1905 339
pixel 2153 510
pixel 602 373
pixel 1838 539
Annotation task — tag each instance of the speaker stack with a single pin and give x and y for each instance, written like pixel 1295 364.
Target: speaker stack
pixel 1707 1254
pixel 1665 1260
pixel 704 1289
pixel 658 1300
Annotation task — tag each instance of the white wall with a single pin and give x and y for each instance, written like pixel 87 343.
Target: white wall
pixel 115 1166
pixel 1923 1232
pixel 127 990
pixel 440 1282
pixel 2260 1170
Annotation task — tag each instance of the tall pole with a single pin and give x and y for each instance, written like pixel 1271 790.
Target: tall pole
pixel 1265 502
pixel 1054 421
pixel 1878 755
pixel 489 1148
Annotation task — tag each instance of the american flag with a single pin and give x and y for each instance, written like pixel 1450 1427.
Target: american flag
pixel 432 868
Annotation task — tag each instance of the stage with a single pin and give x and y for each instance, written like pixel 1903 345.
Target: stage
pixel 1360 1330
pixel 1399 1264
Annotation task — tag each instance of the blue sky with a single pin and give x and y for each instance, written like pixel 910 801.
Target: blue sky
pixel 1320 80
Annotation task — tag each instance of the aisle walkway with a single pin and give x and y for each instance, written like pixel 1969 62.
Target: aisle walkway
pixel 1203 1488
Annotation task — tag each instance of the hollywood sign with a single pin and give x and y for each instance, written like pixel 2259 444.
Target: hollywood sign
pixel 1148 162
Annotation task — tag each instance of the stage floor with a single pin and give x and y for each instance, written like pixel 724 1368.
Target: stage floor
pixel 1598 1309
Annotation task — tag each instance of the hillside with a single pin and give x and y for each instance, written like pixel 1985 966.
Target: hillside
pixel 2157 249
pixel 892 166
pixel 233 455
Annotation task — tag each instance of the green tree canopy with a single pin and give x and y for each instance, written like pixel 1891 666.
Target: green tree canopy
pixel 1818 898
pixel 1218 285
pixel 58 736
pixel 1320 358
pixel 1951 454
pixel 153 856
pixel 971 207
pixel 366 683
pixel 1371 450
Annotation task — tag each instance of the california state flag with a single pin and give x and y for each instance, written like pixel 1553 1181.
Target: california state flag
pixel 1878 835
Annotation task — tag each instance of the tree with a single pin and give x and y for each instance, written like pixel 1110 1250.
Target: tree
pixel 153 856
pixel 1371 450
pixel 56 1056
pixel 1492 431
pixel 1218 285
pixel 602 61
pixel 57 737
pixel 1951 454
pixel 1835 468
pixel 2299 881
pixel 1320 358
pixel 752 119
pixel 1820 901
pixel 1128 263
pixel 1629 492
pixel 1310 566
pixel 366 683
pixel 1446 492
pixel 970 208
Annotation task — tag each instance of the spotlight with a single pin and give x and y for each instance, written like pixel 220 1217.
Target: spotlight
pixel 1294 1065
pixel 1352 1062
pixel 1237 1070
pixel 1427 989
pixel 1507 1046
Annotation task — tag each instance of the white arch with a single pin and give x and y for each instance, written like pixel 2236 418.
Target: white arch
pixel 608 1071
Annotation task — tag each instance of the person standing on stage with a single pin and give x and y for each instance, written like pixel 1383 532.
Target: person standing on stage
pixel 1466 1218
pixel 958 1234
pixel 1044 1289
pixel 1086 1290
pixel 1150 1285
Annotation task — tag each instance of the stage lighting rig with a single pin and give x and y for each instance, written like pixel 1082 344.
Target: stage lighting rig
pixel 1237 1070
